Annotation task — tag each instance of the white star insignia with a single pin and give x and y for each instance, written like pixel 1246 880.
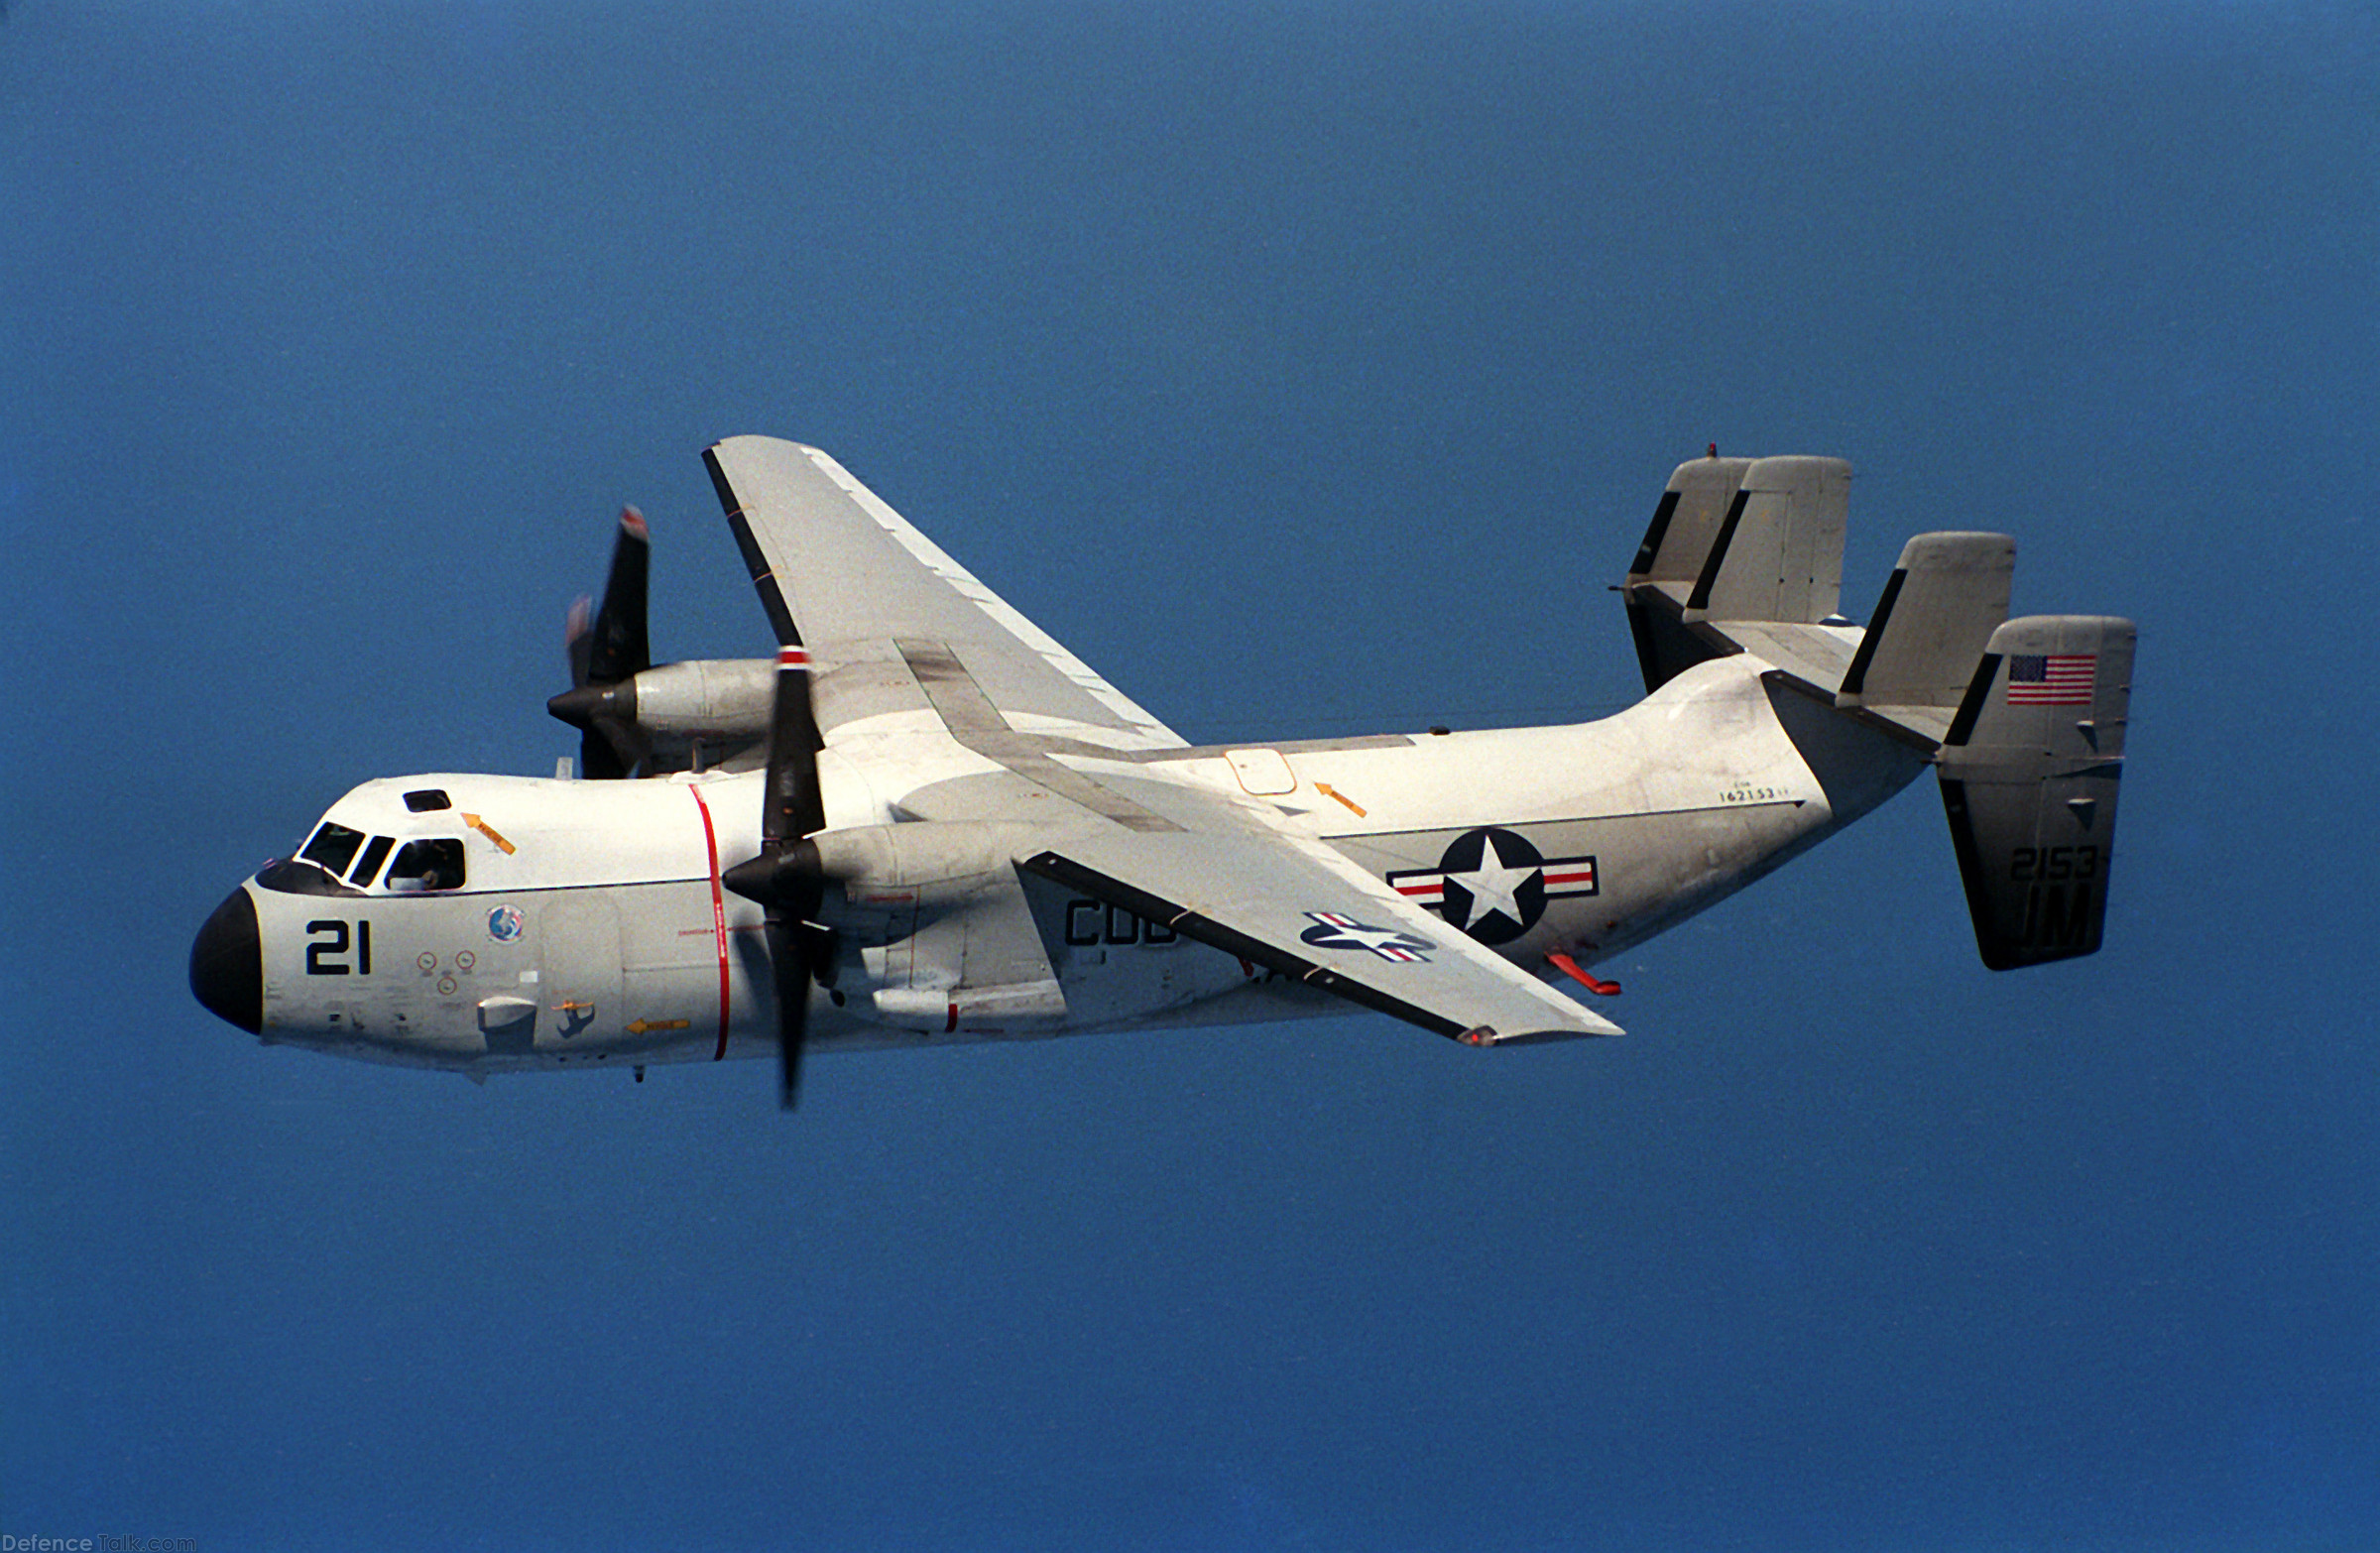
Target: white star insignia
pixel 1495 888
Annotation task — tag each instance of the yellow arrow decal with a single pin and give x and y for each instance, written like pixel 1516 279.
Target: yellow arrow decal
pixel 1323 788
pixel 489 831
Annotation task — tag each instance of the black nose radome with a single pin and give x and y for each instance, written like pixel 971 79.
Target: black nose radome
pixel 227 968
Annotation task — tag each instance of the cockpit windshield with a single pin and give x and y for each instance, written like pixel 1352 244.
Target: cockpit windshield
pixel 339 861
pixel 332 848
pixel 368 866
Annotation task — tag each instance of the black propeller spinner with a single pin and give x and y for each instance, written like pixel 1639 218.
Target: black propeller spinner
pixel 787 877
pixel 607 652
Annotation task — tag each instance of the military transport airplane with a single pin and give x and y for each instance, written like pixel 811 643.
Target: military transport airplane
pixel 928 822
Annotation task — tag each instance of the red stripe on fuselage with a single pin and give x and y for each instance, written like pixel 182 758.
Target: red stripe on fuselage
pixel 710 842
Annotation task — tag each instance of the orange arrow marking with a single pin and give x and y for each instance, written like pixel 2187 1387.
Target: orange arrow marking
pixel 489 831
pixel 1329 791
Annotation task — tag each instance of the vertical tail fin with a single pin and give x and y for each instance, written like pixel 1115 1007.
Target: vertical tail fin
pixel 1778 554
pixel 1701 494
pixel 1946 596
pixel 2029 770
pixel 1735 539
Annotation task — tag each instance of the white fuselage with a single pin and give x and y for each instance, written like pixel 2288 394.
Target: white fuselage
pixel 590 926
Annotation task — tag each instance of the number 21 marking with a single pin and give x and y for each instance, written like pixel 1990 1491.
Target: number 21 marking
pixel 327 940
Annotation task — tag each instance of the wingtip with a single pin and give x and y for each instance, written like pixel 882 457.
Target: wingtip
pixel 1484 1035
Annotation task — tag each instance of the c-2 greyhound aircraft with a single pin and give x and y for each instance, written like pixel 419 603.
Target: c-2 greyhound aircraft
pixel 928 822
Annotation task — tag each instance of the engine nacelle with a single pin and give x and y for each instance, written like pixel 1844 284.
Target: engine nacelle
pixel 714 698
pixel 887 880
pixel 921 906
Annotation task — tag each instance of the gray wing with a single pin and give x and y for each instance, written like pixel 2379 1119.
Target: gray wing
pixel 887 616
pixel 1298 909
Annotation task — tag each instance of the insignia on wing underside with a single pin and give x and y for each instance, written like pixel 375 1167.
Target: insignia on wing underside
pixel 1494 883
pixel 1337 931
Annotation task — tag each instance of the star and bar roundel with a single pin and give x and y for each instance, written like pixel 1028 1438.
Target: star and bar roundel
pixel 1493 885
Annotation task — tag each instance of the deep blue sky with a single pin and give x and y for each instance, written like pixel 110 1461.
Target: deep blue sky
pixel 1306 368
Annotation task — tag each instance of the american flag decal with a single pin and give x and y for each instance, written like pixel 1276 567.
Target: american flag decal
pixel 2052 679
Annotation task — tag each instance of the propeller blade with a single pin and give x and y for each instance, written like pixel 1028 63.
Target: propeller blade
pixel 792 974
pixel 618 644
pixel 608 648
pixel 793 807
pixel 578 642
pixel 599 756
pixel 787 877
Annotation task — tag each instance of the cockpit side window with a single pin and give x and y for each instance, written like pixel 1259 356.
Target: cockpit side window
pixel 369 864
pixel 434 863
pixel 332 848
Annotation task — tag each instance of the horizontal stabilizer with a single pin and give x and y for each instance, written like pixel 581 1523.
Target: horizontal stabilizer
pixel 2029 773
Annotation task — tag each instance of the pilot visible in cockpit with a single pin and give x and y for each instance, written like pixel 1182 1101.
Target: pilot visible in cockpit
pixel 424 866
